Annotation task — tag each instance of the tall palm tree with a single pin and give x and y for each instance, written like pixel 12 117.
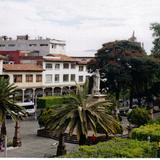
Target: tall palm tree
pixel 80 114
pixel 7 104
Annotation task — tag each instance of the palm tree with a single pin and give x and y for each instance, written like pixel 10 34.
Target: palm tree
pixel 80 114
pixel 7 104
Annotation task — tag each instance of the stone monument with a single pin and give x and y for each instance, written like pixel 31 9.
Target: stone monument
pixel 96 87
pixel 96 83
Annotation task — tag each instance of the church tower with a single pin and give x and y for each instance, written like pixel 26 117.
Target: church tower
pixel 133 38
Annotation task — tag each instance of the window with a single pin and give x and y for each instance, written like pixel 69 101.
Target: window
pixel 43 44
pixel 53 45
pixel 62 47
pixel 2 45
pixel 49 65
pixel 73 65
pixel 65 78
pixel 66 65
pixel 11 45
pixel 80 78
pixel 38 78
pixel 29 78
pixel 72 77
pixel 32 45
pixel 56 78
pixel 17 78
pixel 57 66
pixel 80 68
pixel 48 78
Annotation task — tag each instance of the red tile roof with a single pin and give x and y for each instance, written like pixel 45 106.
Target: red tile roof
pixel 22 68
pixel 82 62
pixel 58 58
pixel 65 58
pixel 31 57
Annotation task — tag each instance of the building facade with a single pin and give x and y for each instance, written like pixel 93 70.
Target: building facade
pixel 26 77
pixel 39 46
pixel 55 75
pixel 63 72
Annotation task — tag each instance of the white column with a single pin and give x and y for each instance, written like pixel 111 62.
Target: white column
pixel 43 92
pixel 69 87
pixel 35 103
pixel 53 91
pixel 23 93
pixel 33 95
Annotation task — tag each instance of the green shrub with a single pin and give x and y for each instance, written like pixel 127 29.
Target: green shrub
pixel 102 131
pixel 50 101
pixel 42 118
pixel 157 121
pixel 9 144
pixel 138 116
pixel 143 132
pixel 117 148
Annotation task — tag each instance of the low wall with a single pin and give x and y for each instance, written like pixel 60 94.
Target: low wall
pixel 67 138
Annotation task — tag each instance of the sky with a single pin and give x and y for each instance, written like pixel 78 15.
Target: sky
pixel 84 24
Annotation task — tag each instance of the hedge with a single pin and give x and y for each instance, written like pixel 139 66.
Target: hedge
pixel 156 121
pixel 117 148
pixel 138 116
pixel 51 101
pixel 42 118
pixel 143 132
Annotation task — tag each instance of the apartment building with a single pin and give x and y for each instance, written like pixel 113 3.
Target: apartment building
pixel 38 46
pixel 61 73
pixel 50 75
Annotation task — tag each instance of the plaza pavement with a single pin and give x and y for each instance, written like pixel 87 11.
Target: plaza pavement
pixel 32 145
pixel 39 147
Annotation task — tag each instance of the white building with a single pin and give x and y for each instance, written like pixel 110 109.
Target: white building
pixel 26 77
pixel 61 72
pixel 56 75
pixel 37 46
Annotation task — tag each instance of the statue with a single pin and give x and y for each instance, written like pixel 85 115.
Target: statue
pixel 96 83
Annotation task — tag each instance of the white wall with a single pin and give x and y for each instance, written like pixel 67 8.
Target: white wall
pixel 1 66
pixel 63 71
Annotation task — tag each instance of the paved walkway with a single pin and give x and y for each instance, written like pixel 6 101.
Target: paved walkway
pixel 32 145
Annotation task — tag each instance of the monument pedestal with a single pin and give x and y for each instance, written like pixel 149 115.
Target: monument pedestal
pixel 99 97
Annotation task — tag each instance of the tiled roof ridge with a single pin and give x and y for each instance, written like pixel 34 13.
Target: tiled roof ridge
pixel 22 67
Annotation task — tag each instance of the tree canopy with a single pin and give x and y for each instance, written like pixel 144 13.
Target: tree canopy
pixel 126 67
pixel 156 42
pixel 81 114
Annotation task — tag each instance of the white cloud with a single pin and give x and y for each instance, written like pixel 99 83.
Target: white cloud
pixel 84 24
